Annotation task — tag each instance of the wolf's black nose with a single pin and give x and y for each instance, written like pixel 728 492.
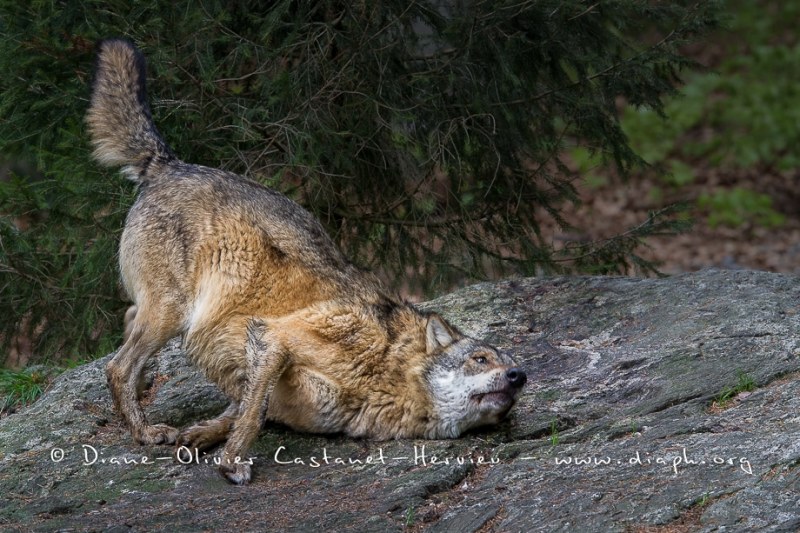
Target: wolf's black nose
pixel 516 377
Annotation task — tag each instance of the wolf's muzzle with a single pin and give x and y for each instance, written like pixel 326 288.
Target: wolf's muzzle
pixel 516 377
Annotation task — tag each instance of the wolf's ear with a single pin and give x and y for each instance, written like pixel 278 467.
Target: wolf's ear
pixel 439 334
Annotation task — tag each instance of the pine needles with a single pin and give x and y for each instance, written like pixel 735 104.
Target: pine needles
pixel 426 135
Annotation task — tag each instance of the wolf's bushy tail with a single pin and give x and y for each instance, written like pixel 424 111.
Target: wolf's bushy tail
pixel 119 119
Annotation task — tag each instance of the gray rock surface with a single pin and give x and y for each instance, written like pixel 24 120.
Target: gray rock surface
pixel 617 429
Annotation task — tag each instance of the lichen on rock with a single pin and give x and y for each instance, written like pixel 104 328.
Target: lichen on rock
pixel 615 429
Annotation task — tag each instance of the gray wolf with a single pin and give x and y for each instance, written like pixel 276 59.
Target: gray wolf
pixel 268 306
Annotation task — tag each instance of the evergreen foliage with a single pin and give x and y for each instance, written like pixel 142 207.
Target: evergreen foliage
pixel 425 135
pixel 756 125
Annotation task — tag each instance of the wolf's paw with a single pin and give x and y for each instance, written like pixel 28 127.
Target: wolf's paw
pixel 238 474
pixel 157 434
pixel 203 435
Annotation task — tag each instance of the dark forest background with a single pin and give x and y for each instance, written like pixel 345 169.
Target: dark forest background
pixel 440 142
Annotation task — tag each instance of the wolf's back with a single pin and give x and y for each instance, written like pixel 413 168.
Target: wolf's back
pixel 119 119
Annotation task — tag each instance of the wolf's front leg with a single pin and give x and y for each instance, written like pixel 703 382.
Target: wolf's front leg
pixel 266 361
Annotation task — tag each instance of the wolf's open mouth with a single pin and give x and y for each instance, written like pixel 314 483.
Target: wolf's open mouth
pixel 500 397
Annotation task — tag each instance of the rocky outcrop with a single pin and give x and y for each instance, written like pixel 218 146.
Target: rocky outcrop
pixel 652 404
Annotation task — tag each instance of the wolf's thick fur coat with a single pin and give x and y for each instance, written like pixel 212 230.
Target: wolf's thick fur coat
pixel 268 306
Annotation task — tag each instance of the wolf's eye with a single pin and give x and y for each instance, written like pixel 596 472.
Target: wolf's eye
pixel 480 360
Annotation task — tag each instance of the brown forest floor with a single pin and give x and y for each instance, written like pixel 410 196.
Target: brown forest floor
pixel 616 206
pixel 611 209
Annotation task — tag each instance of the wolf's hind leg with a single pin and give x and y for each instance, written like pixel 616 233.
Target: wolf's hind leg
pixel 130 316
pixel 266 360
pixel 148 332
pixel 208 433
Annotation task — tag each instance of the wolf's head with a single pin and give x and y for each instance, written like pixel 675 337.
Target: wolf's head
pixel 472 384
